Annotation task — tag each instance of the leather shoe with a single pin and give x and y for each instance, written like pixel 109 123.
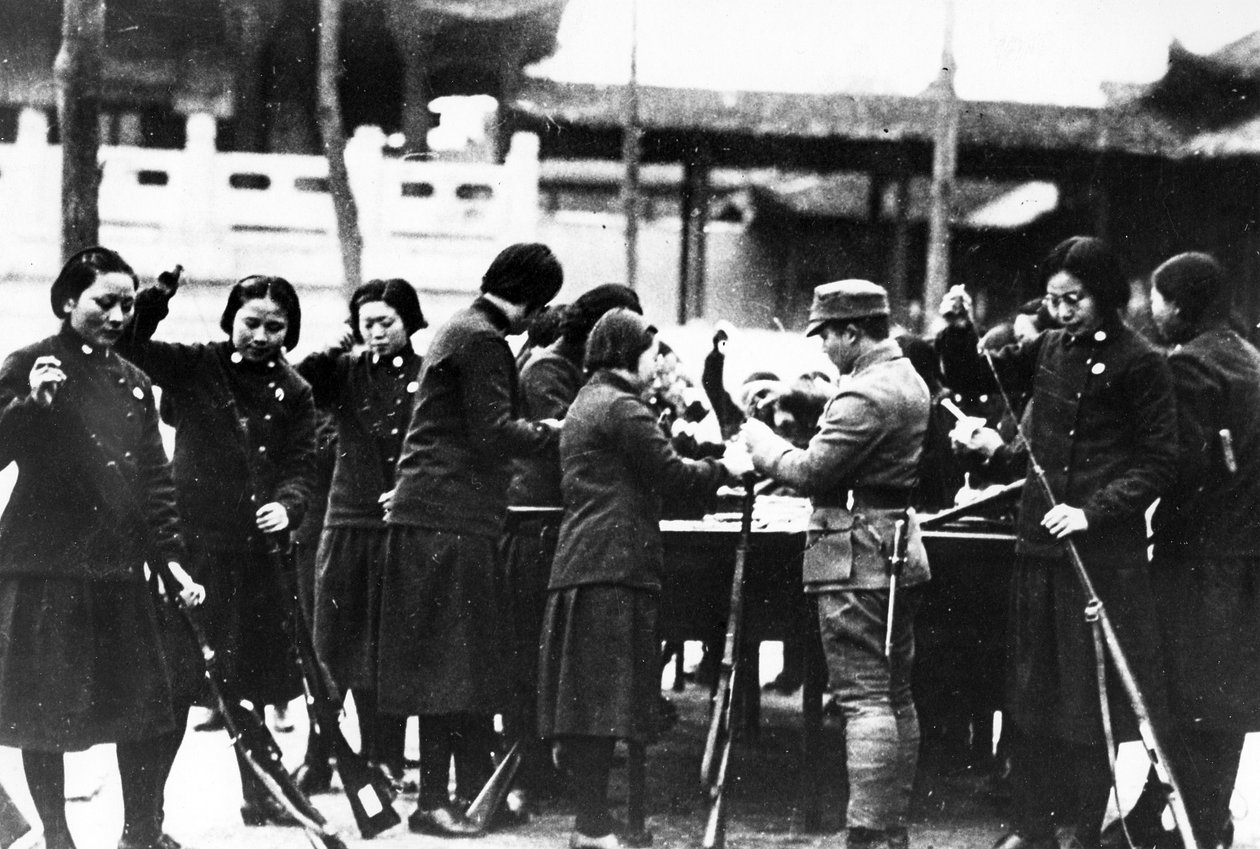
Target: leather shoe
pixel 1015 840
pixel 266 812
pixel 578 840
pixel 313 778
pixel 442 821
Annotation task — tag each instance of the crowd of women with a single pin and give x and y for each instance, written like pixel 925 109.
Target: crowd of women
pixel 411 594
pixel 429 601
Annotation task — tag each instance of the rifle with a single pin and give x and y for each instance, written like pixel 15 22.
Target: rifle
pixel 249 733
pixel 713 765
pixel 13 825
pixel 490 799
pixel 367 789
pixel 1105 636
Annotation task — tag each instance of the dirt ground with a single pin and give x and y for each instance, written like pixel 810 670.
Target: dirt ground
pixel 953 810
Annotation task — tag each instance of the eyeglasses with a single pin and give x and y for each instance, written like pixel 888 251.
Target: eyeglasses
pixel 1070 299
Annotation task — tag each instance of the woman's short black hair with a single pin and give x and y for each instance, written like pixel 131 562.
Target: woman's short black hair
pixel 527 274
pixel 1195 284
pixel 617 341
pixel 259 286
pixel 394 292
pixel 590 307
pixel 81 271
pixel 1096 265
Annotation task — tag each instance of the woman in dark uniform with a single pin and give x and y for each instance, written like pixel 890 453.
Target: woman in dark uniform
pixel 550 381
pixel 1207 549
pixel 370 396
pixel 244 455
pixel 1103 426
pixel 81 661
pixel 599 671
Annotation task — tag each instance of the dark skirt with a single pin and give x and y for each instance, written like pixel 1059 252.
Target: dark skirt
pixel 442 645
pixel 349 572
pixel 598 664
pixel 1052 680
pixel 246 619
pixel 1209 611
pixel 81 663
pixel 528 549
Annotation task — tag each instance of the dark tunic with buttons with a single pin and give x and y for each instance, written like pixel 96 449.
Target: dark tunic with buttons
pixel 223 473
pixel 599 670
pixel 443 647
pixel 1103 426
pixel 370 399
pixel 81 661
pixel 1206 567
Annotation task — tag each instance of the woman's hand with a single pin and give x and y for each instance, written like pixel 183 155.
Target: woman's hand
pixel 386 501
pixel 967 435
pixel 737 460
pixel 272 517
pixel 193 593
pixel 956 306
pixel 1062 520
pixel 46 378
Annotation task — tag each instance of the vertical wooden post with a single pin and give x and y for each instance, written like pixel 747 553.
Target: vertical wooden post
pixel 899 268
pixel 630 152
pixel 695 218
pixel 334 137
pixel 77 72
pixel 944 166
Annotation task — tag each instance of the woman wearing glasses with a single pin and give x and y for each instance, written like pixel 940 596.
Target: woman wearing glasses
pixel 1103 427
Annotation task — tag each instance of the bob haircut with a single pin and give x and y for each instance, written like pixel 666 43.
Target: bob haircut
pixel 1195 284
pixel 259 286
pixel 526 274
pixel 591 306
pixel 81 271
pixel 1096 265
pixel 394 292
pixel 617 341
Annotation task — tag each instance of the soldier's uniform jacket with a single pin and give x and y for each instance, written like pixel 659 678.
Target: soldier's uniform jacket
pixel 99 436
pixel 220 461
pixel 465 429
pixel 371 399
pixel 860 470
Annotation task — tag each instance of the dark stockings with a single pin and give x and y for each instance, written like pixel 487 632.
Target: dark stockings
pixel 143 767
pixel 383 735
pixel 589 760
pixel 46 779
pixel 1058 783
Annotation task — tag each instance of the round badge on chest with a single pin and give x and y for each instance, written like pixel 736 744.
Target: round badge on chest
pixel 1099 368
pixel 412 387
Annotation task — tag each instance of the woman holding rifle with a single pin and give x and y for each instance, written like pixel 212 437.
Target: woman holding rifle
pixel 370 394
pixel 244 454
pixel 1104 428
pixel 81 659
pixel 599 671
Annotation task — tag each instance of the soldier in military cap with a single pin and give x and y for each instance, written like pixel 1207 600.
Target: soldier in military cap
pixel 860 470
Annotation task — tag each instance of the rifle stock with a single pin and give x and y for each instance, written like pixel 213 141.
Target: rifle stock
pixel 491 797
pixel 713 764
pixel 249 733
pixel 367 790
